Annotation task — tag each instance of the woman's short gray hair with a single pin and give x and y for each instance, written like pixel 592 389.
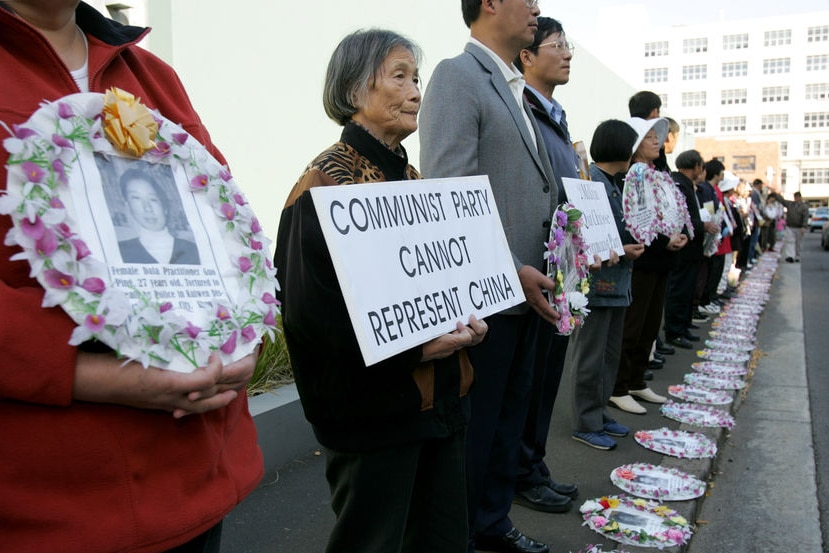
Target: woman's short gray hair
pixel 354 66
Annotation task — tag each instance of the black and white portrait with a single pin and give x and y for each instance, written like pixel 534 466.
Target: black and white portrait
pixel 147 212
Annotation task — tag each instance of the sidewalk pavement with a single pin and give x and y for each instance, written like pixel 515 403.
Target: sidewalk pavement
pixel 761 493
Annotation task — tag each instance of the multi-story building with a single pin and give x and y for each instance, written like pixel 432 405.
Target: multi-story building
pixel 738 86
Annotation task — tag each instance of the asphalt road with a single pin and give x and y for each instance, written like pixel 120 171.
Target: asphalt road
pixel 290 511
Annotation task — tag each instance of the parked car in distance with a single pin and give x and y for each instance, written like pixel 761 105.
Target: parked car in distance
pixel 824 237
pixel 818 218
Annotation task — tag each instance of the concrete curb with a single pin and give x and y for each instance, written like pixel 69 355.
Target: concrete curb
pixel 284 434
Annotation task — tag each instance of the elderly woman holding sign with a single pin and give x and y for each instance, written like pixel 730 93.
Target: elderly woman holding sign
pixel 393 432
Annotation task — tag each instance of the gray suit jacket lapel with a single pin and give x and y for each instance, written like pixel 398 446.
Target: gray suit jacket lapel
pixel 502 88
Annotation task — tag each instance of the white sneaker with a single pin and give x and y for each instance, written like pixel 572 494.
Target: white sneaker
pixel 713 308
pixel 648 395
pixel 627 403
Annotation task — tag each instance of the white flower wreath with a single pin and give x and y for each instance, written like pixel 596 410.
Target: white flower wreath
pixel 677 443
pixel 697 415
pixel 618 518
pixel 45 160
pixel 657 482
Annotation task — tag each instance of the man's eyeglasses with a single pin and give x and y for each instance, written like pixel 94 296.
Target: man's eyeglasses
pixel 531 3
pixel 559 45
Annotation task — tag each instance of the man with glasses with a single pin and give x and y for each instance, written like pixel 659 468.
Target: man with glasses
pixel 475 121
pixel 546 65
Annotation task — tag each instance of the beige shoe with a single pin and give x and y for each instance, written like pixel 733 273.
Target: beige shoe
pixel 648 395
pixel 627 403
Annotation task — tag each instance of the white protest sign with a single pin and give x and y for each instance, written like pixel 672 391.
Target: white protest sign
pixel 599 230
pixel 415 257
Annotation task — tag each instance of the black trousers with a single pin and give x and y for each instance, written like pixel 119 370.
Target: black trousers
pixel 209 542
pixel 679 298
pixel 409 498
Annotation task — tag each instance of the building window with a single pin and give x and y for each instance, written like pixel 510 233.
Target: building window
pixel 815 148
pixel 815 176
pixel 817 91
pixel 696 126
pixel 783 177
pixel 694 45
pixel 784 149
pixel 735 42
pixel 656 75
pixel 775 94
pixel 733 96
pixel 777 38
pixel 818 34
pixel 817 63
pixel 653 49
pixel 735 69
pixel 694 72
pixel 693 99
pixel 777 65
pixel 664 99
pixel 731 124
pixel 807 148
pixel 778 121
pixel 815 120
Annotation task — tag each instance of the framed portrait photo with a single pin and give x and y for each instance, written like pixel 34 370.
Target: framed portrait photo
pixel 154 252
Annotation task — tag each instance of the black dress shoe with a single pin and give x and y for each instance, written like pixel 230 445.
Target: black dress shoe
pixel 511 542
pixel 691 337
pixel 570 490
pixel 693 326
pixel 541 498
pixel 655 364
pixel 681 342
pixel 665 349
pixel 647 375
pixel 659 357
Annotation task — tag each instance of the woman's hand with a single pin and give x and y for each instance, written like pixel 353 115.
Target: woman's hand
pixel 677 242
pixel 101 378
pixel 461 337
pixel 634 251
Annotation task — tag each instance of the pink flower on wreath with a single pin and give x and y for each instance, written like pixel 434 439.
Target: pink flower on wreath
pixel 599 521
pixel 224 174
pixel 269 299
pixel 47 243
pixel 161 148
pixel 239 199
pixel 94 285
pixel 255 244
pixel 248 333
pixel 22 133
pixel 32 171
pixel 199 182
pixel 94 322
pixel 222 313
pixel 33 229
pixel 230 345
pixel 255 227
pixel 57 279
pixel 180 137
pixel 81 249
pixel 245 264
pixel 561 218
pixel 228 211
pixel 60 171
pixel 270 319
pixel 57 203
pixel 164 307
pixel 61 141
pixel 675 535
pixel 192 330
pixel 65 110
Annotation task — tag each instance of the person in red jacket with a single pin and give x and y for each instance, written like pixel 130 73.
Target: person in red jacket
pixel 96 455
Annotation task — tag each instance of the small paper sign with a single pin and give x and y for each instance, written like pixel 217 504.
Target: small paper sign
pixel 415 257
pixel 599 230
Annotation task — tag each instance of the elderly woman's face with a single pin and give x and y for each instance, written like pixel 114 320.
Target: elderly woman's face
pixel 145 205
pixel 389 110
pixel 649 148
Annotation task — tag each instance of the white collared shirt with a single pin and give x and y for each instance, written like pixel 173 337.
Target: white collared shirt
pixel 514 79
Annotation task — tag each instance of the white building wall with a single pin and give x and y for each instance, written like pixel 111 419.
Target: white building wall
pixel 254 71
pixel 793 160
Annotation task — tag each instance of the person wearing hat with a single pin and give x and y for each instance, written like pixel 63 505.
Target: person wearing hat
pixel 648 282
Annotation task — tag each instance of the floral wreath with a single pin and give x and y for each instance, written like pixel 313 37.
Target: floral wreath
pixel 43 152
pixel 695 394
pixel 641 178
pixel 729 345
pixel 697 415
pixel 719 369
pixel 675 529
pixel 715 382
pixel 731 337
pixel 724 355
pixel 685 486
pixel 566 240
pixel 697 445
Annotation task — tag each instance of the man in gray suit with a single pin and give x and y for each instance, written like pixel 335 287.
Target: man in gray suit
pixel 475 121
